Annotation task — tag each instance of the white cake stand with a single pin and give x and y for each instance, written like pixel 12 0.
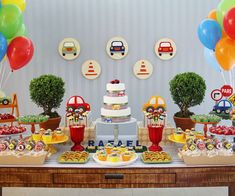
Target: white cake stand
pixel 115 127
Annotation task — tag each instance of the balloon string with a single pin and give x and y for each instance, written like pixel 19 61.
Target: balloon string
pixel 7 78
pixel 2 74
pixel 233 78
pixel 230 78
pixel 222 74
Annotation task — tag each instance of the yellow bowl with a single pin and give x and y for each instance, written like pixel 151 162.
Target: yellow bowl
pixel 47 138
pixel 178 137
pixel 36 137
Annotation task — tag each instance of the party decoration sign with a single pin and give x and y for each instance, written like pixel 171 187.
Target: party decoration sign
pixel 226 90
pixel 69 49
pixel 143 69
pixel 165 49
pixel 91 69
pixel 232 99
pixel 117 48
pixel 216 95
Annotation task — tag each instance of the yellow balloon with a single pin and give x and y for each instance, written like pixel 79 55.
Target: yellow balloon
pixel 20 3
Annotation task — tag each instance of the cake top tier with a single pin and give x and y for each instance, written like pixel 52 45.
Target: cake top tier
pixel 115 85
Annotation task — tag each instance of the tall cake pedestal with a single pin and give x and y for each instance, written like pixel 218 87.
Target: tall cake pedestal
pixel 115 127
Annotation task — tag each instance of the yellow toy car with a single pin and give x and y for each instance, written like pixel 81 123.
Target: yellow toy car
pixel 155 103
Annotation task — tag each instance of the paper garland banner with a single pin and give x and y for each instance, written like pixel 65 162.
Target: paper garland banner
pixel 91 69
pixel 117 48
pixel 143 69
pixel 69 49
pixel 165 49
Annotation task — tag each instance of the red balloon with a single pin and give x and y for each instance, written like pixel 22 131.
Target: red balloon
pixel 229 23
pixel 20 52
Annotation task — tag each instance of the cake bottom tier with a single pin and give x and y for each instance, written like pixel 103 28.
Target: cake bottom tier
pixel 116 119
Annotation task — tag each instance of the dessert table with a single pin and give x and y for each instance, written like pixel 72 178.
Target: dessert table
pixel 137 175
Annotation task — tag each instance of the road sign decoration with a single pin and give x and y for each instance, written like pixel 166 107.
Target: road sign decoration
pixel 91 69
pixel 232 99
pixel 227 90
pixel 143 69
pixel 216 95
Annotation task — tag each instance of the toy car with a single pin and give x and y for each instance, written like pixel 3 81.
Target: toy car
pixel 117 47
pixel 155 103
pixel 165 47
pixel 5 100
pixel 69 48
pixel 223 106
pixel 77 103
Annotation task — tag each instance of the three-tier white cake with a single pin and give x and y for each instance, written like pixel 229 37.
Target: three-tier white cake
pixel 115 107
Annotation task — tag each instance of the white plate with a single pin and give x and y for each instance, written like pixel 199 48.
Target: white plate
pixel 117 164
pixel 230 138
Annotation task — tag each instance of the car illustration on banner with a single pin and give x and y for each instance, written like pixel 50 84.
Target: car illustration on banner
pixel 117 48
pixel 165 49
pixel 69 49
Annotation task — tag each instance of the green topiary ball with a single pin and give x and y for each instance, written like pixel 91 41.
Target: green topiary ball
pixel 47 91
pixel 187 90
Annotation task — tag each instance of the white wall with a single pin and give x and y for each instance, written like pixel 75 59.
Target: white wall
pixel 93 22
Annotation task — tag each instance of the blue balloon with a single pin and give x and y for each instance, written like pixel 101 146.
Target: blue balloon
pixel 3 46
pixel 211 59
pixel 209 33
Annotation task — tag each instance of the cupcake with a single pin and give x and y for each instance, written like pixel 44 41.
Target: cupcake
pixel 122 148
pixel 102 156
pixel 36 135
pixel 108 147
pixel 59 134
pixel 190 135
pixel 179 135
pixel 47 136
pixel 126 156
pixel 115 151
pixel 113 157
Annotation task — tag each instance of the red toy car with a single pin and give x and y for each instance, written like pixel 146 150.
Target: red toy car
pixel 77 104
pixel 165 47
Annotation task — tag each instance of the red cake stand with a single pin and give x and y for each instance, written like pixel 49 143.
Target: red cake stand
pixel 77 136
pixel 155 136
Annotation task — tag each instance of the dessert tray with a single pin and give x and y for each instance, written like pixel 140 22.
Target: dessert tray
pixel 22 152
pixel 149 157
pixel 73 157
pixel 172 139
pixel 116 164
pixel 12 158
pixel 6 131
pixel 57 141
pixel 204 159
pixel 207 152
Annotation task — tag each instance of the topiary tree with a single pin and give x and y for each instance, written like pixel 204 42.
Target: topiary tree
pixel 47 91
pixel 187 90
